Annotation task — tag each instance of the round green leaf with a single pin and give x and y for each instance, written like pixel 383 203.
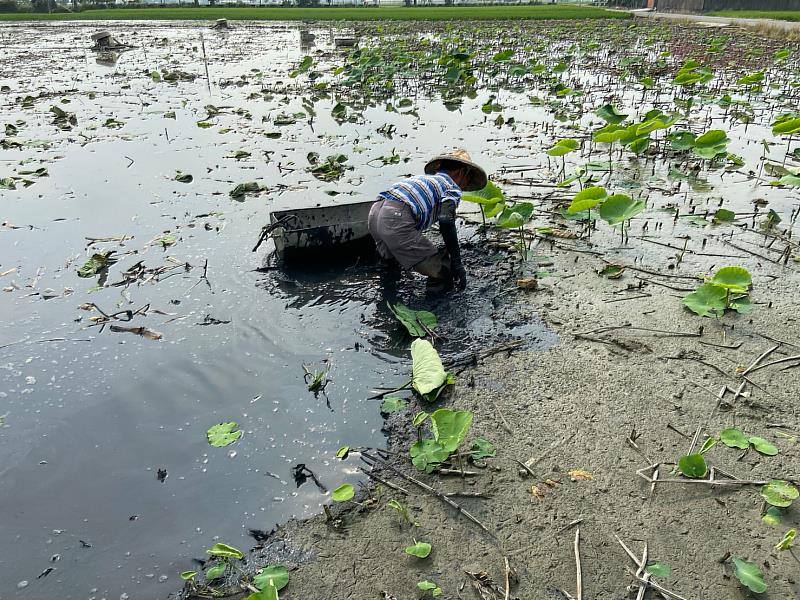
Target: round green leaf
pixel 711 138
pixel 587 198
pixel 343 493
pixel 223 434
pixel 610 114
pixel 734 438
pixel 216 571
pixel 342 452
pixel 779 493
pixel 763 446
pixel 427 454
pixel 707 301
pixel 225 551
pixel 276 575
pixel 735 279
pixel 693 466
pixel 187 575
pixel 419 549
pixel 749 575
pixel 619 208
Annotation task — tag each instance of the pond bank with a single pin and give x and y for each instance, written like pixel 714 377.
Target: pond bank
pixel 577 408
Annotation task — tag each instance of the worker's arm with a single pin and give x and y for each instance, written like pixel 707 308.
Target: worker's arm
pixel 447 227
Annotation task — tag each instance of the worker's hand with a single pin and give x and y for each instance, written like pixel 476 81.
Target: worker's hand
pixel 459 277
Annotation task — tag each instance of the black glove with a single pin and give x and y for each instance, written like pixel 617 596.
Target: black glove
pixel 459 277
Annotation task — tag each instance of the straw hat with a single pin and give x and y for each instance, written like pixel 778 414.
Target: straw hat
pixel 476 176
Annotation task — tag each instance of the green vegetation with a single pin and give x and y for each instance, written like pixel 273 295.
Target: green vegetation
pixel 779 15
pixel 434 13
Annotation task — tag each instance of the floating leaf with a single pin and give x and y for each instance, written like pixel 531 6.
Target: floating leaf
pixel 182 177
pixel 658 569
pixel 342 452
pixel 734 438
pixel 95 264
pixel 223 434
pixel 224 550
pixel 275 575
pixel 419 549
pixel 763 446
pixel 417 322
pixel 724 215
pixel 427 372
pixel 343 493
pixel 788 540
pixel 393 404
pixel 216 571
pixel 779 493
pixel 242 189
pixel 749 575
pixel 693 466
pixel 482 448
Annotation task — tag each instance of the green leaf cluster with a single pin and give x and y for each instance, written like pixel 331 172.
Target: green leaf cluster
pixel 727 289
pixel 449 428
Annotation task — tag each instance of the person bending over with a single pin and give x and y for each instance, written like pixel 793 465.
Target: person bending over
pixel 401 215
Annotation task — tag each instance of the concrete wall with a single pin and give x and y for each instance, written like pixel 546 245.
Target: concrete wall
pixel 699 6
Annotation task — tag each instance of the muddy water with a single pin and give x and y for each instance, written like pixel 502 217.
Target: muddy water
pixel 93 419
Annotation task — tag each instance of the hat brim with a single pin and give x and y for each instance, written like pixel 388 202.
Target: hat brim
pixel 476 176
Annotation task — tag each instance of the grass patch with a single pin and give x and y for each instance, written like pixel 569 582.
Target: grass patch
pixel 778 15
pixel 435 13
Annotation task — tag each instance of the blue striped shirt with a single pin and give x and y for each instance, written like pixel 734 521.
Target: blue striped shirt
pixel 424 195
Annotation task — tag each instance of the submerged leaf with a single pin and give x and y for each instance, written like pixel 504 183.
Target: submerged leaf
pixel 658 569
pixel 97 262
pixel 392 404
